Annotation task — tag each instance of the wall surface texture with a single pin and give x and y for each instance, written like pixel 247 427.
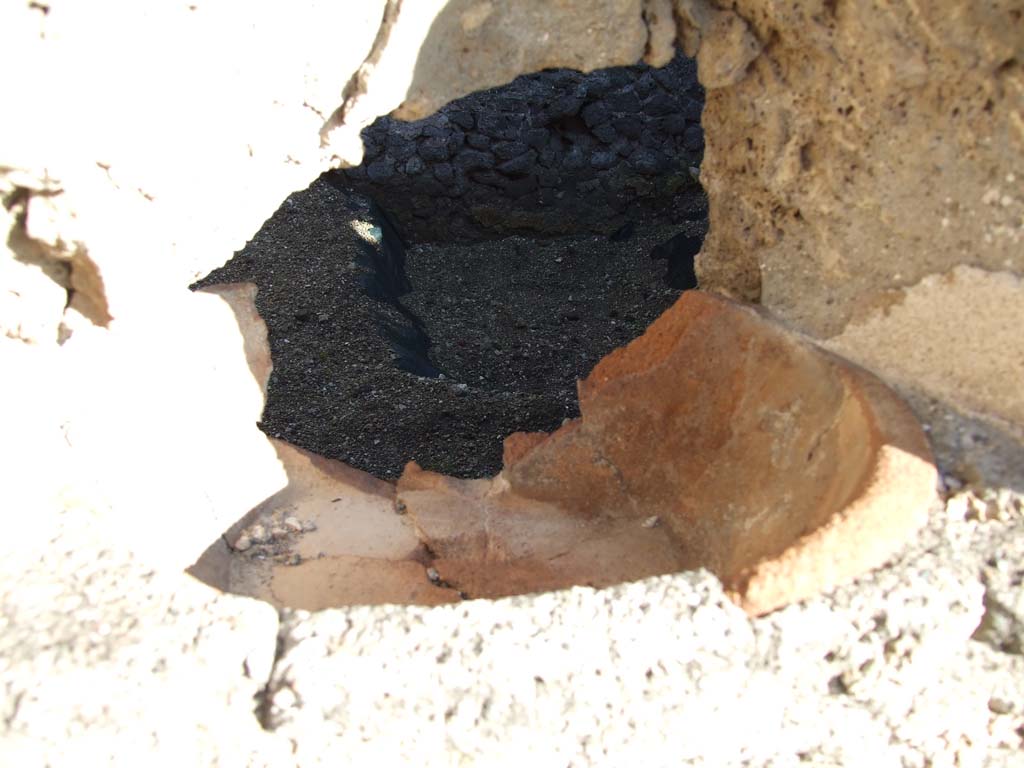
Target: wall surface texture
pixel 864 166
pixel 862 151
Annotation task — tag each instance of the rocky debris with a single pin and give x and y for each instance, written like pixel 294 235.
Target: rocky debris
pixel 120 658
pixel 273 538
pixel 987 504
pixel 891 668
pixel 549 153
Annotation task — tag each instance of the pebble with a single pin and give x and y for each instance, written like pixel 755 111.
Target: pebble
pixel 433 575
pixel 243 543
pixel 1000 706
pixel 294 523
pixel 258 534
pixel 651 522
pixel 308 526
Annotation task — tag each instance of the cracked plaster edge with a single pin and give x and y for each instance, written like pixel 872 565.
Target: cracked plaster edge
pixel 381 82
pixel 358 84
pixel 380 85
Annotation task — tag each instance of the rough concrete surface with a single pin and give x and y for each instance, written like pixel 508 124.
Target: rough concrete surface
pixel 103 659
pixel 852 150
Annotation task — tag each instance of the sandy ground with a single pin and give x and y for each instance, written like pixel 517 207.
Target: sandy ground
pixel 513 323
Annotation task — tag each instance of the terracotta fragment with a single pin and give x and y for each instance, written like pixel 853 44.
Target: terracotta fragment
pixel 716 440
pixel 780 467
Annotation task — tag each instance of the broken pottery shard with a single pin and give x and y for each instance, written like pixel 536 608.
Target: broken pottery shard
pixel 353 549
pixel 716 440
pixel 519 444
pixel 488 542
pixel 780 467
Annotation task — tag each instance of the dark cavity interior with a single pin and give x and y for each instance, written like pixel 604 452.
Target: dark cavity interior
pixel 453 288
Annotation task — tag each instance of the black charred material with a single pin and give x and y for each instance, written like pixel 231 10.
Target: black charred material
pixel 679 252
pixel 623 233
pixel 552 153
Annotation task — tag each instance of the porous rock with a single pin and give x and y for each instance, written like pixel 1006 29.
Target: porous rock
pixel 854 158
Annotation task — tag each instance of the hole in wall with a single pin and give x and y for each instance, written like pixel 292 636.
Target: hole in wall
pixel 448 294
pixel 453 288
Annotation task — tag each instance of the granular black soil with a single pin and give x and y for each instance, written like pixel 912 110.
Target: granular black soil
pixel 513 323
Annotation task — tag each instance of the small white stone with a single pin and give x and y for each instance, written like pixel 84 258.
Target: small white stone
pixel 433 575
pixel 651 522
pixel 293 523
pixel 308 525
pixel 278 533
pixel 243 543
pixel 258 534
